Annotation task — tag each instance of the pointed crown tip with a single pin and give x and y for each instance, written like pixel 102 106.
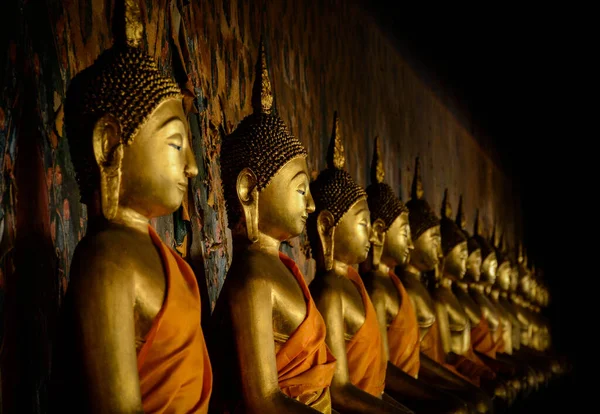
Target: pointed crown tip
pixel 417 185
pixel 377 170
pixel 262 95
pixel 335 153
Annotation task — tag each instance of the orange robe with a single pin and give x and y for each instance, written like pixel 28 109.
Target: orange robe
pixel 403 334
pixel 305 365
pixel 482 340
pixel 468 367
pixel 174 369
pixel 366 362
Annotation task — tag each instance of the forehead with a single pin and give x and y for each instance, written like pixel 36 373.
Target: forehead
pixel 294 167
pixel 168 111
pixel 359 207
pixel 400 221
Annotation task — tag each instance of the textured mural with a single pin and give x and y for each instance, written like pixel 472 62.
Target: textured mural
pixel 323 56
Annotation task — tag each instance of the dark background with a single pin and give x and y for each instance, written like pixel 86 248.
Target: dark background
pixel 515 71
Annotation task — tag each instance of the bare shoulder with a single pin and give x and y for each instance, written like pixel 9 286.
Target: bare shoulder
pixel 103 261
pixel 327 288
pixel 252 273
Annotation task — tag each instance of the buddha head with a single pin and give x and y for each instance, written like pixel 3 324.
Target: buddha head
pixel 265 177
pixel 473 272
pixel 454 243
pixel 489 263
pixel 340 227
pixel 389 218
pixel 128 134
pixel 424 227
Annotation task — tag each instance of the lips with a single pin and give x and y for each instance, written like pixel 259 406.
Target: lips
pixel 182 186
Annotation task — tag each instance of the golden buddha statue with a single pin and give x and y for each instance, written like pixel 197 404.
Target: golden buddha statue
pixel 131 327
pixel 453 268
pixel 269 339
pixel 483 278
pixel 390 248
pixel 449 308
pixel 501 283
pixel 435 369
pixel 520 285
pixel 340 236
pixel 481 338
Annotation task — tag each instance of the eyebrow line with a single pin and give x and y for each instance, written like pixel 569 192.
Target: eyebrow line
pixel 300 173
pixel 360 211
pixel 169 120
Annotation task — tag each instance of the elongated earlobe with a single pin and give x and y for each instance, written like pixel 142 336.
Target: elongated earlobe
pixel 326 230
pixel 377 240
pixel 108 151
pixel 247 192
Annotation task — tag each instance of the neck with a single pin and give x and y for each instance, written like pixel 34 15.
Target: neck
pixel 266 244
pixel 383 267
pixel 412 269
pixel 130 218
pixel 340 268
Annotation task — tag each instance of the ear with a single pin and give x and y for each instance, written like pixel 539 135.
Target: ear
pixel 378 232
pixel 377 240
pixel 326 230
pixel 247 192
pixel 108 151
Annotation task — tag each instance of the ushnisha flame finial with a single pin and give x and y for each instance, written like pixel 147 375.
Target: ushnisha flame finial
pixel 461 220
pixel 335 152
pixel 262 95
pixel 446 207
pixel 134 27
pixel 417 192
pixel 377 170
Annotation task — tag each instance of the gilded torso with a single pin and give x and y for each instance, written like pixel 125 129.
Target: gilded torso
pixel 380 287
pixel 422 301
pixel 471 308
pixel 458 321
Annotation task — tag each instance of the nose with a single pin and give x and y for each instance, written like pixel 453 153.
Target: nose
pixel 191 167
pixel 310 203
pixel 411 245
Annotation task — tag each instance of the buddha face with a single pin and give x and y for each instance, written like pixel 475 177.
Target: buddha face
pixel 474 265
pixel 425 256
pixel 455 262
pixel 488 269
pixel 398 242
pixel 352 236
pixel 285 203
pixel 156 166
pixel 504 273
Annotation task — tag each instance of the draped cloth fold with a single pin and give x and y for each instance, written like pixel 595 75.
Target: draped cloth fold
pixel 174 369
pixel 482 340
pixel 305 365
pixel 366 362
pixel 403 334
pixel 468 366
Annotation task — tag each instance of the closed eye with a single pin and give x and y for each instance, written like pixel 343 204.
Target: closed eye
pixel 177 147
